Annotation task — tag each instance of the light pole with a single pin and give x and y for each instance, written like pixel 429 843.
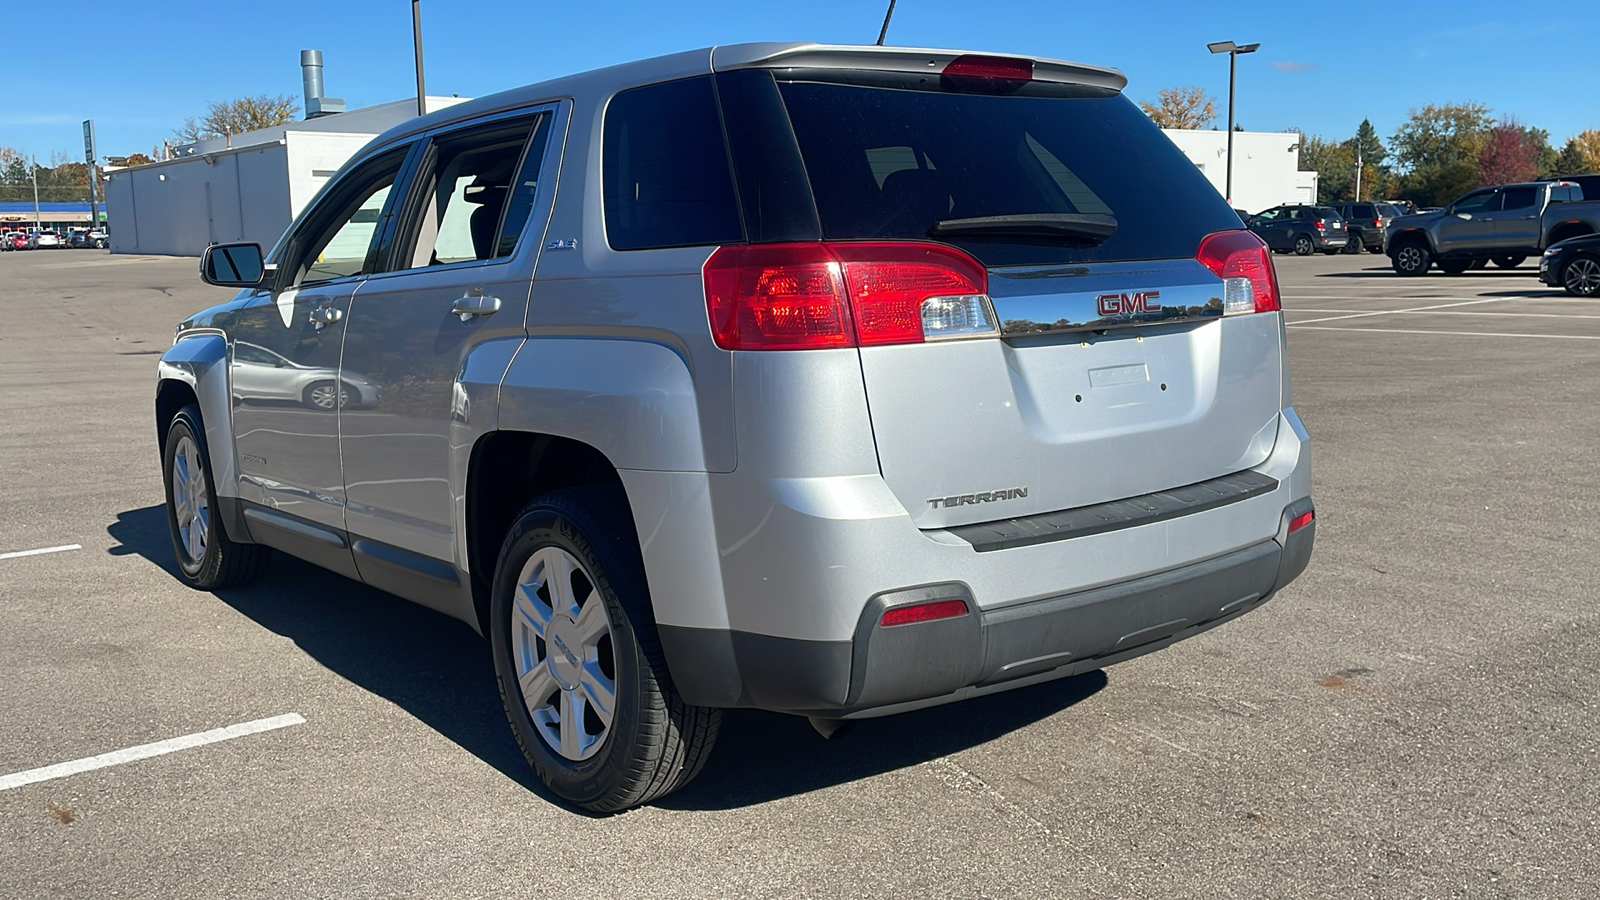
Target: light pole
pixel 416 41
pixel 1233 50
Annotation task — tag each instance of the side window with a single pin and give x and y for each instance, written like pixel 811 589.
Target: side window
pixel 474 197
pixel 1488 201
pixel 337 239
pixel 665 169
pixel 1271 215
pixel 1519 197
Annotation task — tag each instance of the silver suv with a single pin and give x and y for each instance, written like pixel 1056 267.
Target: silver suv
pixel 838 381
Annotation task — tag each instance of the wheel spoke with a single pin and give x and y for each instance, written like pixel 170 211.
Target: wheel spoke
pixel 196 550
pixel 537 685
pixel 532 610
pixel 599 691
pixel 591 621
pixel 571 724
pixel 558 568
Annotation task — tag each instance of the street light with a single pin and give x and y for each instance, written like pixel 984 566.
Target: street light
pixel 1233 50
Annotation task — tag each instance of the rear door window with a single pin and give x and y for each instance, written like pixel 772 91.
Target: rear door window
pixel 1519 197
pixel 893 161
pixel 667 180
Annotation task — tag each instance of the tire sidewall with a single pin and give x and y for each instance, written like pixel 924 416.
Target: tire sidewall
pixel 563 525
pixel 1304 241
pixel 1422 256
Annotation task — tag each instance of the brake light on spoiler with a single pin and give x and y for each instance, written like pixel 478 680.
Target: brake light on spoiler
pixel 816 295
pixel 1242 261
pixel 1007 68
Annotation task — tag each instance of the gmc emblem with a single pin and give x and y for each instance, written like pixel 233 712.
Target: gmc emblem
pixel 1128 304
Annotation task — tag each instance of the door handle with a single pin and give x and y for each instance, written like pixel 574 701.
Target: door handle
pixel 475 304
pixel 325 315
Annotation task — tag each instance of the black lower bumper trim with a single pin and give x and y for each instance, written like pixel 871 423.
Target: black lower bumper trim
pixel 1127 513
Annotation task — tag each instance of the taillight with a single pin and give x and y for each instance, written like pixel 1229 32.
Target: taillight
pixel 973 65
pixel 1321 225
pixel 1242 261
pixel 817 295
pixel 1301 521
pixel 1377 223
pixel 923 612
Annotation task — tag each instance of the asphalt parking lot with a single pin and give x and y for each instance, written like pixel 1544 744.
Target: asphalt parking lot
pixel 1416 717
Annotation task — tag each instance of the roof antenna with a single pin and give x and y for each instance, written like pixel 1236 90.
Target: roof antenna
pixel 886 17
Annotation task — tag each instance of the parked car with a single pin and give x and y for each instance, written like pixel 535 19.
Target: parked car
pixel 261 375
pixel 86 239
pixel 1506 223
pixel 1573 264
pixel 1365 222
pixel 46 240
pixel 777 402
pixel 20 240
pixel 1301 229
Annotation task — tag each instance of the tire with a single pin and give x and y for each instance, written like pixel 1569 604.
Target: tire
pixel 1455 266
pixel 207 558
pixel 1355 245
pixel 1580 277
pixel 1509 262
pixel 1412 258
pixel 326 395
pixel 1303 245
pixel 653 743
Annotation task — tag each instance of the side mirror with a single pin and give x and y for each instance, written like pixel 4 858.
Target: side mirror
pixel 233 265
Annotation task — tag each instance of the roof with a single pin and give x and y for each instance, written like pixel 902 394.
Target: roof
pixel 738 56
pixel 26 206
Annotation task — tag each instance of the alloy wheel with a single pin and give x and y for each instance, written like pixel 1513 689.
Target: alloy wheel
pixel 562 646
pixel 329 396
pixel 1410 259
pixel 1582 276
pixel 190 501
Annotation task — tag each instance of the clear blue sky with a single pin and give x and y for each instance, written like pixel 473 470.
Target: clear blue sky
pixel 1321 68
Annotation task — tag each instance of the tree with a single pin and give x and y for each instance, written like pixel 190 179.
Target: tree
pixel 1366 141
pixel 1335 165
pixel 1580 155
pixel 1437 150
pixel 1183 107
pixel 1510 153
pixel 225 117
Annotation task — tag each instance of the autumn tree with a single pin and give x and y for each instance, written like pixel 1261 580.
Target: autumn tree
pixel 1437 148
pixel 1510 153
pixel 1580 155
pixel 225 117
pixel 1183 107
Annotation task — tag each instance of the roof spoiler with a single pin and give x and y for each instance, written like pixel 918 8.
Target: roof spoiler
pixel 895 59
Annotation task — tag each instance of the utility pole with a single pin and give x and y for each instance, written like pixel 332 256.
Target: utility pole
pixel 1358 172
pixel 416 40
pixel 38 223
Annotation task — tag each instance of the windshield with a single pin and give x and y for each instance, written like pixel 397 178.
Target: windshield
pixel 891 162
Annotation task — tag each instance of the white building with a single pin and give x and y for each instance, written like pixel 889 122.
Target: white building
pixel 1266 166
pixel 247 187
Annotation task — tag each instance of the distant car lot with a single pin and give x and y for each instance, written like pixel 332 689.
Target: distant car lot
pixel 1412 718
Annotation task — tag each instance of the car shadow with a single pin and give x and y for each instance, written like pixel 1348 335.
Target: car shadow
pixel 763 756
pixel 439 670
pixel 434 667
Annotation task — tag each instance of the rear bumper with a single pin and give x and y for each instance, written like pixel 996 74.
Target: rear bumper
pixel 778 608
pixel 886 670
pixel 1330 241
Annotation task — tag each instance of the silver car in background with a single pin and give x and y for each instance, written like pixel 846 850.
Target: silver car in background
pixel 831 380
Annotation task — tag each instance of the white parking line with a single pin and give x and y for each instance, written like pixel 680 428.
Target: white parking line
pixel 1389 312
pixel 145 751
pixel 1505 334
pixel 41 551
pixel 1460 312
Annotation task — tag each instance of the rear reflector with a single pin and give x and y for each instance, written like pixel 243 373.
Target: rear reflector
pixel 1242 261
pixel 818 295
pixel 1301 521
pixel 973 65
pixel 924 612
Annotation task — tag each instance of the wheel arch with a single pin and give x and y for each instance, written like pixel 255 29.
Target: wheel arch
pixel 1565 230
pixel 1411 235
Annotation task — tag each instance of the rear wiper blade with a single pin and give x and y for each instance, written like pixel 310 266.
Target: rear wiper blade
pixel 1084 228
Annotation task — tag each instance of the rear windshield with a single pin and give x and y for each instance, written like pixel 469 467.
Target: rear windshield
pixel 891 162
